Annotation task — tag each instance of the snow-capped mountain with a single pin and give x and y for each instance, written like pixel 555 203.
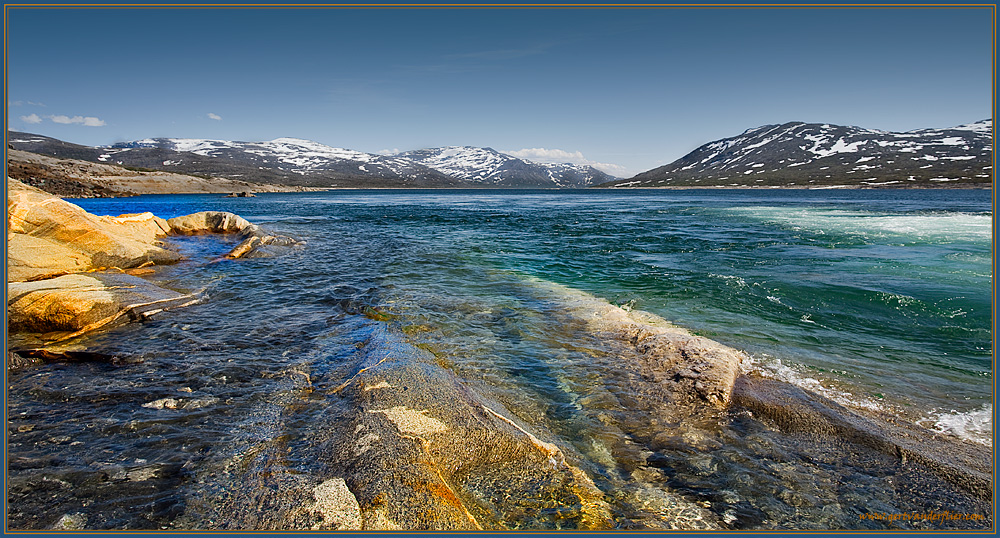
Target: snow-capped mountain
pixel 488 166
pixel 291 155
pixel 285 161
pixel 303 162
pixel 822 155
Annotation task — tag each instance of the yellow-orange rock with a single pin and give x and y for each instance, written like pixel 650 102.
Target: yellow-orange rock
pixel 84 302
pixel 47 235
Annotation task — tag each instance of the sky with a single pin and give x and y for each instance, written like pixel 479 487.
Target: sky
pixel 626 90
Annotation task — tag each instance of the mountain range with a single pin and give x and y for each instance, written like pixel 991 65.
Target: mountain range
pixel 792 154
pixel 293 161
pixel 815 155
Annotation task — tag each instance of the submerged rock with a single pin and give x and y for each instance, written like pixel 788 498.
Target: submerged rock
pixel 425 452
pixel 964 464
pixel 68 522
pixel 258 244
pixel 17 361
pixel 404 444
pixel 674 366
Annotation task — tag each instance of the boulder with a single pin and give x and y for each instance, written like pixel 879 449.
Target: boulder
pixel 49 236
pixel 255 242
pixel 258 245
pixel 205 222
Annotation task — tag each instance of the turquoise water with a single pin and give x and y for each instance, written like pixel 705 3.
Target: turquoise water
pixel 876 299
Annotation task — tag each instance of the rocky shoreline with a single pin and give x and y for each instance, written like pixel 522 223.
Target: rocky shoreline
pixel 414 446
pixel 70 272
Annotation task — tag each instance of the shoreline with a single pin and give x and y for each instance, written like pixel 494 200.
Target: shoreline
pixel 558 190
pixel 390 384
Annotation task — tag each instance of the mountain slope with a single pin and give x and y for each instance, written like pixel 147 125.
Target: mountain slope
pixel 285 161
pixel 821 155
pixel 487 166
pixel 293 161
pixel 75 178
pixel 304 158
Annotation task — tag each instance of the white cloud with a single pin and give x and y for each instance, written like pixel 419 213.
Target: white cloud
pixel 32 118
pixel 88 121
pixel 559 156
pixel 549 155
pixel 392 151
pixel 611 168
pixel 215 117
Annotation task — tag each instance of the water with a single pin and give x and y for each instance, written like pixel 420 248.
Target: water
pixel 877 299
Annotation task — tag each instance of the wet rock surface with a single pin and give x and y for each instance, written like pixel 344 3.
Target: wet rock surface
pixel 964 464
pixel 424 452
pixel 405 446
pixel 84 302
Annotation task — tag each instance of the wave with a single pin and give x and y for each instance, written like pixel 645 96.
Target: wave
pixel 774 368
pixel 929 227
pixel 974 425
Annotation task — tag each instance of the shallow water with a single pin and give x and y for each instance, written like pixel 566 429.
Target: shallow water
pixel 877 299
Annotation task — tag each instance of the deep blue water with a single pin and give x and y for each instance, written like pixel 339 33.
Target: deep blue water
pixel 877 299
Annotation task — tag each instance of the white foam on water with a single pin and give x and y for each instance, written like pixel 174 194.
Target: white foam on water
pixel 975 425
pixel 731 280
pixel 945 227
pixel 773 368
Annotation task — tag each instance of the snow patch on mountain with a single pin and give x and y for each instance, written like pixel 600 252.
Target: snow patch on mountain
pixel 491 167
pixel 810 154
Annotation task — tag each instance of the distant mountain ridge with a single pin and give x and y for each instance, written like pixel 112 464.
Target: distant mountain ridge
pixel 294 161
pixel 793 154
pixel 816 155
pixel 490 167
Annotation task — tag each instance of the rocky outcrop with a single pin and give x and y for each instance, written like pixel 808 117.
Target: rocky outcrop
pixel 679 367
pixel 51 243
pixel 404 444
pixel 49 236
pixel 255 241
pixel 425 452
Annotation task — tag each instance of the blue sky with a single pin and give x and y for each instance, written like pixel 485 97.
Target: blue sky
pixel 630 89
